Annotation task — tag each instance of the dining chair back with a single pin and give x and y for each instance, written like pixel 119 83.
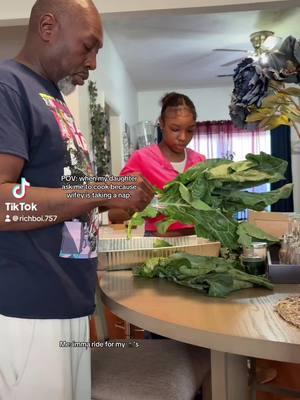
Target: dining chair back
pixel 146 369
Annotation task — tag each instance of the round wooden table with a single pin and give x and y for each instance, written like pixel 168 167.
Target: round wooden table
pixel 240 326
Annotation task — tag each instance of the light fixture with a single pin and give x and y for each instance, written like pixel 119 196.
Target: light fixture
pixel 271 43
pixel 264 58
pixel 264 42
pixel 258 38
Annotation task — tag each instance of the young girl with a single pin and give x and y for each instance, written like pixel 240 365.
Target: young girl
pixel 161 163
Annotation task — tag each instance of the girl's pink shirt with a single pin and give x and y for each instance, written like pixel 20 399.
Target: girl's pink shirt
pixel 152 164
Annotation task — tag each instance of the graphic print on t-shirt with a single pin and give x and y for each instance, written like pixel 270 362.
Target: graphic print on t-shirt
pixel 79 237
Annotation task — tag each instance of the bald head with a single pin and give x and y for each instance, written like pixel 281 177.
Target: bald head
pixel 63 39
pixel 59 8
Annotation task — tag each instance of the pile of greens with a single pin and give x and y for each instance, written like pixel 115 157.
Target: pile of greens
pixel 209 194
pixel 213 276
pixel 161 243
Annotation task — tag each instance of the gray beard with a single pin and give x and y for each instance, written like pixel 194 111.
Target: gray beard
pixel 66 86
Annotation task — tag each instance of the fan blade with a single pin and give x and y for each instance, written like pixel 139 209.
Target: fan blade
pixel 231 62
pixel 224 75
pixel 243 51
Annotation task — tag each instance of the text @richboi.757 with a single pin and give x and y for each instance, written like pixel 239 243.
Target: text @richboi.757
pixel 98 187
pixel 100 344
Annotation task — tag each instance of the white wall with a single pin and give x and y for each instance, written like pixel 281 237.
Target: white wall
pixel 296 168
pixel 114 84
pixel 210 103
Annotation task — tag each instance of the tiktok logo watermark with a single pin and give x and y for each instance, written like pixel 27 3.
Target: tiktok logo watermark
pixel 19 191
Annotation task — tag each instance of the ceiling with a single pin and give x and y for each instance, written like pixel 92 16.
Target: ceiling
pixel 173 49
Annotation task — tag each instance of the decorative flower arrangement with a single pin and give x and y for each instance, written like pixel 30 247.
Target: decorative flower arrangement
pixel 260 98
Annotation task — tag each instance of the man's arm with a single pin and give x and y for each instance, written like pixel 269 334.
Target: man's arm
pixel 54 201
pixel 117 216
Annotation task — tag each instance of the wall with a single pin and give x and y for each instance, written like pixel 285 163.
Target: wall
pixel 296 168
pixel 117 90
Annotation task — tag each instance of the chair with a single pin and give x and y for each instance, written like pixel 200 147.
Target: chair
pixel 147 369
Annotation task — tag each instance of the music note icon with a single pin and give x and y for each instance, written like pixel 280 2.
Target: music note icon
pixel 19 191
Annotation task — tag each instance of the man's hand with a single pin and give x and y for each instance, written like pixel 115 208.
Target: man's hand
pixel 61 202
pixel 139 197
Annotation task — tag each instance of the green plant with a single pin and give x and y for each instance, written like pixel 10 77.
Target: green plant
pixel 209 194
pixel 212 276
pixel 100 133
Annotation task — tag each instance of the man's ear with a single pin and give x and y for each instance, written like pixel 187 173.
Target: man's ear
pixel 48 27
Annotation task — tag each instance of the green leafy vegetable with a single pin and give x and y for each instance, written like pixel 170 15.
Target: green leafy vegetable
pixel 138 218
pixel 161 243
pixel 213 276
pixel 247 232
pixel 209 194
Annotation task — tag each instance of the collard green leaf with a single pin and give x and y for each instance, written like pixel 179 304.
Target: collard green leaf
pixel 188 197
pixel 185 193
pixel 220 285
pixel 208 195
pixel 199 188
pixel 138 219
pixel 215 226
pixel 191 174
pixel 274 167
pixel 239 200
pixel 212 276
pixel 242 171
pixel 163 226
pixel 161 243
pixel 249 233
pixel 200 205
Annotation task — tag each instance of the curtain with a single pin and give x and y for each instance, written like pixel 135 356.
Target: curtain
pixel 221 139
pixel 281 148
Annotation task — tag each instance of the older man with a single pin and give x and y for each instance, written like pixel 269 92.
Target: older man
pixel 48 235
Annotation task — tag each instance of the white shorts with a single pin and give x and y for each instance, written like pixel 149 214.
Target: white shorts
pixel 44 359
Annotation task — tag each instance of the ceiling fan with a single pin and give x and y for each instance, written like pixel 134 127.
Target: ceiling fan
pixel 257 39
